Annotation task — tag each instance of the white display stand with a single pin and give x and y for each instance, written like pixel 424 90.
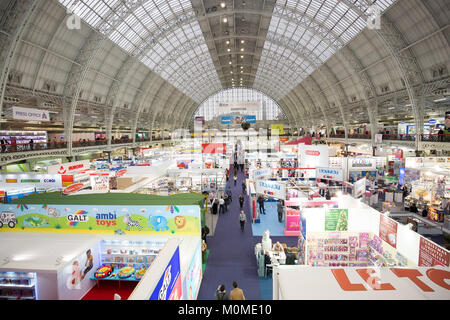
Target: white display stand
pixel 389 196
pixel 398 197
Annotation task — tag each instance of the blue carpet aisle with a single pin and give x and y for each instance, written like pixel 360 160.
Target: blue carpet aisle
pixel 231 252
pixel 269 221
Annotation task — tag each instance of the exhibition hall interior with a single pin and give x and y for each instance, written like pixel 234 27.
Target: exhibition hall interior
pixel 224 150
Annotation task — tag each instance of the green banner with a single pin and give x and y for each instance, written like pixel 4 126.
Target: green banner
pixel 336 220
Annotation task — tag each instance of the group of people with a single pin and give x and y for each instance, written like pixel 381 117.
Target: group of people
pixel 235 294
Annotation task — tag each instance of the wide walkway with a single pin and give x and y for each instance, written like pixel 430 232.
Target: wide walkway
pixel 231 255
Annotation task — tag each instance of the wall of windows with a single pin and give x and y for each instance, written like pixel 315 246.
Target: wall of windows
pixel 269 109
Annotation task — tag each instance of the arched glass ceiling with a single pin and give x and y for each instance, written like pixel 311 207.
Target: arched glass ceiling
pixel 269 109
pixel 154 33
pixel 297 21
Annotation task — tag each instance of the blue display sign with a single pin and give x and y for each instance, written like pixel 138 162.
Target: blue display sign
pixel 237 119
pixel 401 176
pixel 169 285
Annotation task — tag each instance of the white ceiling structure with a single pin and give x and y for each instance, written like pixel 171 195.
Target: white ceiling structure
pixel 143 64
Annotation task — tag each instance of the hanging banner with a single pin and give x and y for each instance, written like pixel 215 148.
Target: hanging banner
pixel 262 174
pixel 214 148
pixel 336 220
pixel 23 180
pixel 359 188
pixel 29 114
pixel 271 188
pixel 388 230
pixel 69 167
pixel 169 285
pixel 432 255
pixel 237 119
pixel 334 174
pixel 239 106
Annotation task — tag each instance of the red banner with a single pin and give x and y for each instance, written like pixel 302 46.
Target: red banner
pixel 214 147
pixel 431 255
pixel 388 230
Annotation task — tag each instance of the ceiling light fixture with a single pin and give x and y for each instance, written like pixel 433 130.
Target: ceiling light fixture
pixel 242 57
pixel 225 20
pixel 228 42
pixel 242 49
pixel 242 41
pixel 223 5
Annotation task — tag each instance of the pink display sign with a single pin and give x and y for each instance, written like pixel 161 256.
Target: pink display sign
pixel 292 220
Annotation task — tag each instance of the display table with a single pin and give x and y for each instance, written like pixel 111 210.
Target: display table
pixel 114 276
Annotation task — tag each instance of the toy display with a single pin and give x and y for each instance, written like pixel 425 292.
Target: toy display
pixel 103 272
pixel 139 274
pixel 126 272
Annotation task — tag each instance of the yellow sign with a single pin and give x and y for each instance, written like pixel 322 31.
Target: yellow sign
pixel 277 129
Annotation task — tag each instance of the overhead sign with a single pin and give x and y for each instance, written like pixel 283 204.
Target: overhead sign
pixel 237 119
pixel 239 106
pixel 169 285
pixel 271 188
pixel 335 174
pixel 262 174
pixel 21 180
pixel 29 114
pixel 362 164
pixel 380 283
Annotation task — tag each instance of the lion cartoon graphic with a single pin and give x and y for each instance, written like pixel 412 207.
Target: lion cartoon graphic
pixel 180 221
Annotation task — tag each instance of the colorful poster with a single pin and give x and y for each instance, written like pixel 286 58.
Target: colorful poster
pixel 191 283
pixel 277 129
pixel 237 119
pixel 169 285
pixel 95 219
pixel 336 220
pixel 388 230
pixel 432 255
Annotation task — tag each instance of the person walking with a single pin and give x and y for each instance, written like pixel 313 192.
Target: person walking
pixel 236 293
pixel 205 232
pixel 242 219
pixel 31 144
pixel 221 293
pixel 226 200
pixel 261 204
pixel 241 200
pixel 235 178
pixel 280 210
pixel 215 206
pixel 230 194
pixel 221 205
pixel 244 186
pixel 3 145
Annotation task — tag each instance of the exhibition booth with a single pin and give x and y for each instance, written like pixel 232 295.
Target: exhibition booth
pixel 97 238
pixel 350 239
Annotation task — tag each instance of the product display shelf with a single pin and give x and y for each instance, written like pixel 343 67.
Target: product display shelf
pixel 17 286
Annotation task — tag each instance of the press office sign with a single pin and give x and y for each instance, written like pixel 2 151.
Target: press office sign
pixel 29 114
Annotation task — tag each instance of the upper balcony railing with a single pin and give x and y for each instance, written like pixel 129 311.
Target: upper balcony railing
pixel 402 137
pixel 51 145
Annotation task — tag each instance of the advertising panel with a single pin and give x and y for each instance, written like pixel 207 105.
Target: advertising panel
pixel 93 219
pixel 313 156
pixel 334 174
pixel 432 255
pixel 191 283
pixel 214 148
pixel 30 114
pixel 23 180
pixel 100 182
pixel 262 173
pixel 336 220
pixel 271 188
pixel 169 285
pixel 237 119
pixel 388 230
pixel 239 106
pixel 293 221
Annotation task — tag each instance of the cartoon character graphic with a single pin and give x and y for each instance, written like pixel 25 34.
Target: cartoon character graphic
pixel 119 232
pixel 73 282
pixel 131 223
pixel 165 285
pixel 53 212
pixel 158 223
pixel 180 221
pixel 88 264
